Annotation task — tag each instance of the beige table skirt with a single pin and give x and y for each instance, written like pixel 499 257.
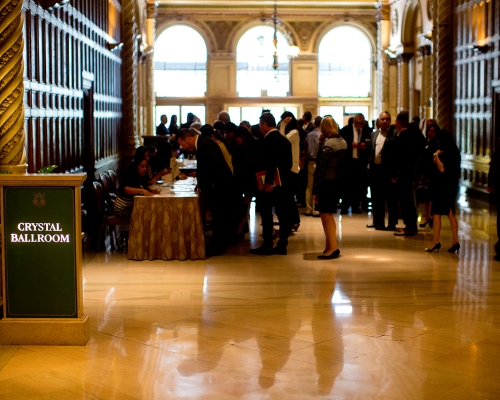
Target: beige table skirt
pixel 166 227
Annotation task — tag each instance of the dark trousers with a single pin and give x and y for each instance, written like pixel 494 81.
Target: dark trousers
pixel 279 199
pixel 295 189
pixel 407 204
pixel 357 184
pixel 221 204
pixel 383 192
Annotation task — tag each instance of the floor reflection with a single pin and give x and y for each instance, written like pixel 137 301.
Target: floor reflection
pixel 385 320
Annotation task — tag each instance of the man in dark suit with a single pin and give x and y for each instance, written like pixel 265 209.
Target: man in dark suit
pixel 307 126
pixel 357 137
pixel 190 120
pixel 215 181
pixel 406 151
pixel 162 128
pixel 276 155
pixel 383 190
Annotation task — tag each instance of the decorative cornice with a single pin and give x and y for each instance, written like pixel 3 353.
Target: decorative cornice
pixel 383 12
pixel 151 9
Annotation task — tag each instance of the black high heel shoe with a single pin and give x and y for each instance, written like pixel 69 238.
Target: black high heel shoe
pixel 428 222
pixel 454 248
pixel 335 254
pixel 432 249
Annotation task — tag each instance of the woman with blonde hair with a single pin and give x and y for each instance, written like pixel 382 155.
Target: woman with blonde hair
pixel 329 178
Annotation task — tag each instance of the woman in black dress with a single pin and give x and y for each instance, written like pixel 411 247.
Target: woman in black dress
pixel 135 182
pixel 329 179
pixel 173 127
pixel 445 188
pixel 427 170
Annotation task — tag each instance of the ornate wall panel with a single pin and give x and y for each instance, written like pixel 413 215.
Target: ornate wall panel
pixel 65 48
pixel 477 74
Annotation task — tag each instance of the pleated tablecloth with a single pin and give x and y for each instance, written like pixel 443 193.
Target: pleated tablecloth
pixel 167 226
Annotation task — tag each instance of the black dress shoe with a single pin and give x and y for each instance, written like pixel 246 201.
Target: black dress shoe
pixel 391 228
pixel 370 226
pixel 263 249
pixel 404 233
pixel 279 250
pixel 335 254
pixel 380 228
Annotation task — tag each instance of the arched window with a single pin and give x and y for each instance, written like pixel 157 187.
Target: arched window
pixel 255 74
pixel 344 64
pixel 180 57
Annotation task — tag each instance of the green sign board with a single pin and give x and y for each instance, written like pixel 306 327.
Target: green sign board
pixel 40 252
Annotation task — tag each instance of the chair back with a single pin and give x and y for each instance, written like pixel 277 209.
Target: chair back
pixel 109 196
pixel 114 181
pixel 99 198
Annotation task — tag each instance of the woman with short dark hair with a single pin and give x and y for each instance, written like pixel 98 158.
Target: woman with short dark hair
pixel 135 182
pixel 445 188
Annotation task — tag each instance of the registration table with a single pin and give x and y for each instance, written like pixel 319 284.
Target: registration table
pixel 167 226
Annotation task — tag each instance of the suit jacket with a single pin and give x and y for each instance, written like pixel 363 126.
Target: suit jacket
pixel 308 128
pixel 162 130
pixel 212 171
pixel 276 152
pixel 347 133
pixel 405 152
pixel 387 150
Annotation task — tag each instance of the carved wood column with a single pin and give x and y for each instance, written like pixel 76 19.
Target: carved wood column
pixel 383 41
pixel 442 37
pixel 152 10
pixel 12 135
pixel 427 81
pixel 130 138
pixel 403 82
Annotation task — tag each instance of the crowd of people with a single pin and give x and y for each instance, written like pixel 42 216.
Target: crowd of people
pixel 290 162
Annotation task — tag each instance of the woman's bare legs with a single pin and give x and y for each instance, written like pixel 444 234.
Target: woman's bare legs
pixel 427 210
pixel 436 218
pixel 454 226
pixel 330 229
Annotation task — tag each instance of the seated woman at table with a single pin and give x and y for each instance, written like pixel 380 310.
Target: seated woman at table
pixel 156 168
pixel 133 183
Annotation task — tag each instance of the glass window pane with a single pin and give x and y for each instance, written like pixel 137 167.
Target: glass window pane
pixel 251 114
pixel 254 57
pixel 276 111
pixel 357 109
pixel 168 111
pixel 234 114
pixel 344 68
pixel 293 110
pixel 180 60
pixel 199 111
pixel 337 112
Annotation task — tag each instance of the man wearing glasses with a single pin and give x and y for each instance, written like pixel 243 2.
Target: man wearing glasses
pixel 382 189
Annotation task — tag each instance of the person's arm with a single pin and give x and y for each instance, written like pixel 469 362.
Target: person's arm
pixel 438 161
pixel 132 191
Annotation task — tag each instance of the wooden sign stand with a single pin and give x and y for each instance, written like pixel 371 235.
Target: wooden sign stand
pixel 41 296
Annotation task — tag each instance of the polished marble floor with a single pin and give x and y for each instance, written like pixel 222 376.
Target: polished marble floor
pixel 384 321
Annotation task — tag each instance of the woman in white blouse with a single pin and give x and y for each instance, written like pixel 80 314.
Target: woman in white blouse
pixel 291 130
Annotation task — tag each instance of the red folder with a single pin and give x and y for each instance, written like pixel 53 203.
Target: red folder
pixel 261 179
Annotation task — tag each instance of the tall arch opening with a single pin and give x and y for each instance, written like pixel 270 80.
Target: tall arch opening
pixel 255 75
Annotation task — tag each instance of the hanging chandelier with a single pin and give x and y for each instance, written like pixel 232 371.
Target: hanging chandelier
pixel 293 51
